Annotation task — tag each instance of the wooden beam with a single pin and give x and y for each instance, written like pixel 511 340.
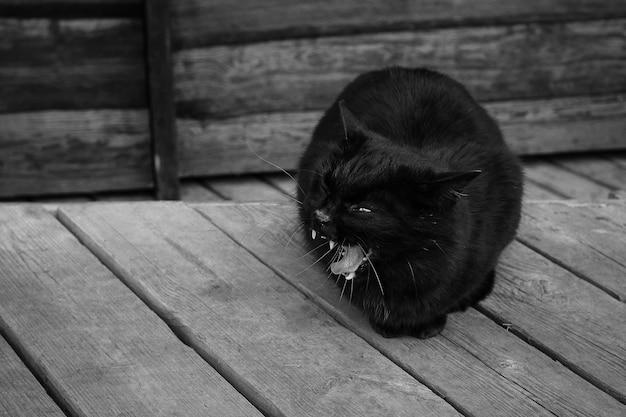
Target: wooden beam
pixel 519 62
pixel 254 21
pixel 69 152
pixel 161 98
pixel 64 64
pixel 531 127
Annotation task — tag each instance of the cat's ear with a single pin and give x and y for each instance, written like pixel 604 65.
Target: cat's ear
pixel 451 185
pixel 349 121
pixel 354 131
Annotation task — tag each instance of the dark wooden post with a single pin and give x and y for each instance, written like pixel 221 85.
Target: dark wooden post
pixel 161 99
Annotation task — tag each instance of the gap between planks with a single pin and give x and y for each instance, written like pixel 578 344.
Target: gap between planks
pixel 226 367
pixel 339 315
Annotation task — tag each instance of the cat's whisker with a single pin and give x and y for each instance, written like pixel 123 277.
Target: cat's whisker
pixel 380 284
pixel 298 228
pixel 295 200
pixel 275 166
pixel 441 249
pixel 312 250
pixel 318 259
pixel 413 276
pixel 351 289
pixel 343 289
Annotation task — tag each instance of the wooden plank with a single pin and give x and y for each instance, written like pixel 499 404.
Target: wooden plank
pixel 125 196
pixel 70 8
pixel 534 191
pixel 495 63
pixel 475 364
pixel 161 94
pixel 71 64
pixel 98 348
pixel 245 189
pixel 194 191
pixel 69 152
pixel 273 344
pixel 596 168
pixel 576 238
pixel 618 159
pixel 563 182
pixel 570 319
pixel 22 396
pixel 254 21
pixel 530 127
pixel 286 184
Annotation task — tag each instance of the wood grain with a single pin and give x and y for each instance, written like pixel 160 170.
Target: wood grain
pixel 274 345
pixel 71 64
pixel 570 319
pixel 98 348
pixel 194 191
pixel 564 182
pixel 253 21
pixel 161 95
pixel 580 240
pixel 70 8
pixel 596 168
pixel 534 191
pixel 475 364
pixel 245 189
pixel 495 63
pixel 58 152
pixel 22 396
pixel 236 145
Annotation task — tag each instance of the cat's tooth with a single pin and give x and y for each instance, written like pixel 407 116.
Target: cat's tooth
pixel 332 244
pixel 350 276
pixel 313 234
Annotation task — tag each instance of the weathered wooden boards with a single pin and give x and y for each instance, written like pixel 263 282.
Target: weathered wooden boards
pixel 234 283
pixel 71 98
pixel 564 183
pixel 21 394
pixel 252 21
pixel 492 369
pixel 98 348
pixel 267 96
pixel 283 352
pixel 240 144
pixel 495 63
pixel 53 64
pixel 255 79
pixel 74 152
pixel 585 238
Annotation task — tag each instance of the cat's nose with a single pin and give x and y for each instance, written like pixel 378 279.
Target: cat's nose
pixel 327 226
pixel 322 216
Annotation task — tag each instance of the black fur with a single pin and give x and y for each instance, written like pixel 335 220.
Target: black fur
pixel 406 164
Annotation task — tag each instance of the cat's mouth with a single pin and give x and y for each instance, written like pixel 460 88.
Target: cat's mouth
pixel 348 258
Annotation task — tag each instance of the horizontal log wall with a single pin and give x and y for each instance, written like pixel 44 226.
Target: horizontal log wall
pixel 73 97
pixel 240 144
pixel 252 78
pixel 252 84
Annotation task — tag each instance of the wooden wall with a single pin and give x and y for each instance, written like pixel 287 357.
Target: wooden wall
pixel 254 76
pixel 73 98
pixel 257 76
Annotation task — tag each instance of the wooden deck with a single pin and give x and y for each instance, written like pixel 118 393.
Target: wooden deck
pixel 167 309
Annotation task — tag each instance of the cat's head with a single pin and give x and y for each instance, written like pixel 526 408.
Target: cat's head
pixel 380 197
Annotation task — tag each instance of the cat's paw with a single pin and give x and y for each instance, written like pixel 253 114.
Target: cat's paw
pixel 430 329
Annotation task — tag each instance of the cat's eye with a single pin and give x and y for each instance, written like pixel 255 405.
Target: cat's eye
pixel 360 209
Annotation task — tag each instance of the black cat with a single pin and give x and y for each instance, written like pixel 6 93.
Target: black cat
pixel 411 184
